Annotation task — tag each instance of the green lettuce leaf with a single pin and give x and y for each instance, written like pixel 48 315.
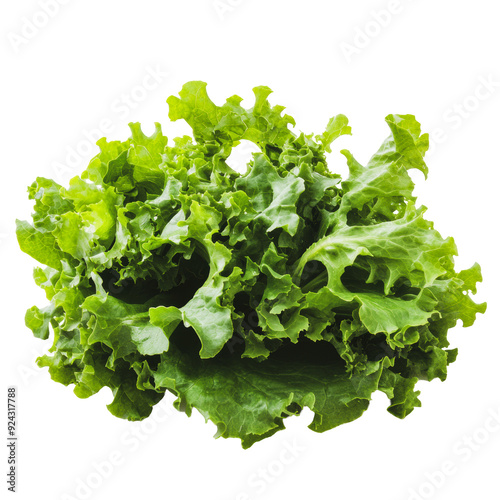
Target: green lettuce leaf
pixel 249 296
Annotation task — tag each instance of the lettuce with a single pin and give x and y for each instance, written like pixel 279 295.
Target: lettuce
pixel 248 296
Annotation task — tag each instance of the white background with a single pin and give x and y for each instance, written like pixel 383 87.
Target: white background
pixel 71 74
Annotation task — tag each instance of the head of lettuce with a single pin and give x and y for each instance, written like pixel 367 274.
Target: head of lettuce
pixel 248 296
